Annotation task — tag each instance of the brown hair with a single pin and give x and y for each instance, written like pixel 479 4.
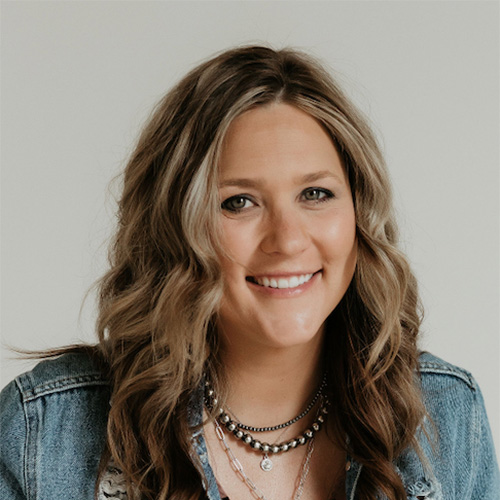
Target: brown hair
pixel 159 298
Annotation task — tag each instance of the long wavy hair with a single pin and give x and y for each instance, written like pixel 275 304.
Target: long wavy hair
pixel 159 299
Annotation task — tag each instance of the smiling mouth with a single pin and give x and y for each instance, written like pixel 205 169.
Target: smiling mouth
pixel 281 283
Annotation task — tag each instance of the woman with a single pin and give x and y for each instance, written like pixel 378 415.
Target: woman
pixel 258 326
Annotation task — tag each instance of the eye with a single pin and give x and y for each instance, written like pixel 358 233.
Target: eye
pixel 236 203
pixel 317 194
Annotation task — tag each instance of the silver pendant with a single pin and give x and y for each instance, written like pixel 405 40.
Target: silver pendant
pixel 266 464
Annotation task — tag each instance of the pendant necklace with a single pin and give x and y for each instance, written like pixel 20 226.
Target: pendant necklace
pixel 254 489
pixel 237 429
pixel 266 464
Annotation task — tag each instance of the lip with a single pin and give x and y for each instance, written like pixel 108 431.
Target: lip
pixel 283 275
pixel 284 292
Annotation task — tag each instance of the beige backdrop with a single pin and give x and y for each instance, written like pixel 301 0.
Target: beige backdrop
pixel 78 79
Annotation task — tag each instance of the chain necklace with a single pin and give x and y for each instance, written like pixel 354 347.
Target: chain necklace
pixel 304 470
pixel 310 406
pixel 254 489
pixel 266 463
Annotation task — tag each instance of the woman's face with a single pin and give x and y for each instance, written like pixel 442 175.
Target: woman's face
pixel 288 228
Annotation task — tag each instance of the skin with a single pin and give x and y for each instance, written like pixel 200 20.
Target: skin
pixel 287 209
pixel 296 217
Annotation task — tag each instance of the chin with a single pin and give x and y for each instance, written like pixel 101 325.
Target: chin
pixel 291 337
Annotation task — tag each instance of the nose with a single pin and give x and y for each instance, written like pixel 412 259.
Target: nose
pixel 285 234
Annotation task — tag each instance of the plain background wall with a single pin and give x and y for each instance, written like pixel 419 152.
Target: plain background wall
pixel 79 79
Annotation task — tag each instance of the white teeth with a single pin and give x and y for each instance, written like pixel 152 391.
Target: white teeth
pixel 292 282
pixel 282 283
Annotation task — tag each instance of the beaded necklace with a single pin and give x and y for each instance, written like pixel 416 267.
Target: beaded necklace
pixel 233 426
pixel 310 406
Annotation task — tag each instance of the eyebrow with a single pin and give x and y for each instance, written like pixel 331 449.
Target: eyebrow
pixel 255 183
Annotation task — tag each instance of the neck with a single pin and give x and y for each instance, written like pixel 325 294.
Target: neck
pixel 271 385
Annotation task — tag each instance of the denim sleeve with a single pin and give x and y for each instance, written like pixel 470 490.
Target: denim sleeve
pixel 13 426
pixel 485 483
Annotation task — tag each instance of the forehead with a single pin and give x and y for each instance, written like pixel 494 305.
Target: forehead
pixel 277 138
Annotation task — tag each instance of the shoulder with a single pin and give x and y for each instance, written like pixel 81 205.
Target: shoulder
pixel 57 380
pixel 436 370
pixel 53 416
pixel 458 442
pixel 52 383
pixel 451 395
pixel 65 373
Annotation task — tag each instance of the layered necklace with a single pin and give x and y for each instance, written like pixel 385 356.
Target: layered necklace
pixel 243 432
pixel 254 489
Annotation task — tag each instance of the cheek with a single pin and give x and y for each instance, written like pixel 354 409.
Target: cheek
pixel 351 261
pixel 339 239
pixel 237 248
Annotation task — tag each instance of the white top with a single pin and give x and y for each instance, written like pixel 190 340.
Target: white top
pixel 112 485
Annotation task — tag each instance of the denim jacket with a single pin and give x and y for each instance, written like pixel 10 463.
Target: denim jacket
pixel 53 428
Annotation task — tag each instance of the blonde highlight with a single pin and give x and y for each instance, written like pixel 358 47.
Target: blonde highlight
pixel 160 297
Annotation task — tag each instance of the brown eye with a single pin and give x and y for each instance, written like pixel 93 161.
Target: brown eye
pixel 235 203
